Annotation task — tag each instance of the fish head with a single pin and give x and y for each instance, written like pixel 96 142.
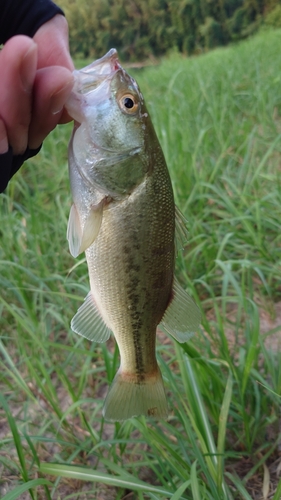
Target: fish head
pixel 111 121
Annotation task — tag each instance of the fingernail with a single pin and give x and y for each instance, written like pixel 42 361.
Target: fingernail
pixel 28 67
pixel 57 100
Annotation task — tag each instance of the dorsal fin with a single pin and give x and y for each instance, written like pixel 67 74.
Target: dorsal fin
pixel 181 236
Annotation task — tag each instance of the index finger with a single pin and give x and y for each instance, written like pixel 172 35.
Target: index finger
pixel 18 60
pixel 52 42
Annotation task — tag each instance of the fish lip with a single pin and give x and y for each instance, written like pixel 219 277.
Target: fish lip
pixel 88 80
pixel 111 57
pixel 90 77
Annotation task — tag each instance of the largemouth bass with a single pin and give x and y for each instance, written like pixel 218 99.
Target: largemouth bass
pixel 124 217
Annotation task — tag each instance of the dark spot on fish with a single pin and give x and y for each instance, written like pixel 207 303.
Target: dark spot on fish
pixel 133 267
pixel 161 280
pixel 163 250
pixel 136 319
pixel 151 412
pixel 131 264
pixel 138 353
pixel 133 284
pixel 132 299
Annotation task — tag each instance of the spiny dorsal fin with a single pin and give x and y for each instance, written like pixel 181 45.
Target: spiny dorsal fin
pixel 80 240
pixel 89 323
pixel 182 317
pixel 181 230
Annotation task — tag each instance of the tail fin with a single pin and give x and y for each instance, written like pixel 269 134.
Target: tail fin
pixel 128 398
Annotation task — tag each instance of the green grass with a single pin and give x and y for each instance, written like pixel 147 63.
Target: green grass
pixel 218 118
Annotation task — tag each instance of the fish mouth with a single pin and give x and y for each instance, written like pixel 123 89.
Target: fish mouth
pixel 97 72
pixel 88 81
pixel 92 86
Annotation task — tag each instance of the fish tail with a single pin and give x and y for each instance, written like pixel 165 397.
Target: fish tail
pixel 128 397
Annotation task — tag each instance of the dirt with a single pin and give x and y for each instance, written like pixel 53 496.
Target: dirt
pixel 263 483
pixel 269 326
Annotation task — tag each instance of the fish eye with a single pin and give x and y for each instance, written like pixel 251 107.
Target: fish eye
pixel 128 103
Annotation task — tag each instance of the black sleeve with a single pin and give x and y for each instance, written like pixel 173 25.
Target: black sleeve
pixel 10 164
pixel 24 17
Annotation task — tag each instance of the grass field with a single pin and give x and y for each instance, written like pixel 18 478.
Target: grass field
pixel 218 117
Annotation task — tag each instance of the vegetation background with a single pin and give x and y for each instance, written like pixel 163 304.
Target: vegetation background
pixel 140 29
pixel 218 117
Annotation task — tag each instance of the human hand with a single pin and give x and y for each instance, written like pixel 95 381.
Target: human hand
pixel 36 81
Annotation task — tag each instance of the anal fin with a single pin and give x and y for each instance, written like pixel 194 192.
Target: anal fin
pixel 89 323
pixel 182 316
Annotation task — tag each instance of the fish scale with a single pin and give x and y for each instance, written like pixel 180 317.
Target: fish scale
pixel 127 277
pixel 124 218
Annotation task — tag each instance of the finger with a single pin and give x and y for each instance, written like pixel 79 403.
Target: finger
pixel 65 117
pixel 18 60
pixel 52 42
pixel 52 87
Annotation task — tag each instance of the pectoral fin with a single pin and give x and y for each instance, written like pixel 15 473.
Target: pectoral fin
pixel 79 240
pixel 89 323
pixel 182 317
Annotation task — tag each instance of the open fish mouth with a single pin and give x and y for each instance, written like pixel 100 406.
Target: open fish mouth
pixel 92 81
pixel 92 76
pixel 90 102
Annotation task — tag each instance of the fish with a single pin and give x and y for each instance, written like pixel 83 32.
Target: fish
pixel 124 218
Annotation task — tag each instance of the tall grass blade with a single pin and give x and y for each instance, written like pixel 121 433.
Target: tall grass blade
pixel 252 352
pixel 125 481
pixel 19 490
pixel 222 426
pixel 194 482
pixel 199 413
pixel 14 372
pixel 239 486
pixel 177 495
pixel 16 437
